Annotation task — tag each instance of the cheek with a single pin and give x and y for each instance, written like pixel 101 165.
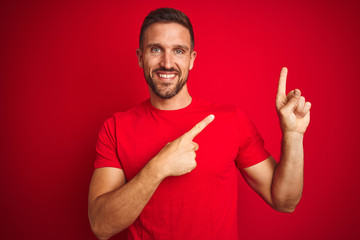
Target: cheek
pixel 188 62
pixel 151 64
pixel 185 67
pixel 147 68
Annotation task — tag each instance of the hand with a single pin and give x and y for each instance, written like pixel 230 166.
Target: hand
pixel 293 111
pixel 178 157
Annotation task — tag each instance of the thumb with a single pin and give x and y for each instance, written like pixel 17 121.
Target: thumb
pixel 293 100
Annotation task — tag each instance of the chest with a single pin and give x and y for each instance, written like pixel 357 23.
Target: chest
pixel 218 143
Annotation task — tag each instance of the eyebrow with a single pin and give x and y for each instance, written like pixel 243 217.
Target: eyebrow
pixel 159 45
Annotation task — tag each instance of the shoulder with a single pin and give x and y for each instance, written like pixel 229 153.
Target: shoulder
pixel 131 114
pixel 122 124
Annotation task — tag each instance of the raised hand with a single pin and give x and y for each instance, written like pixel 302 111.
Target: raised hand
pixel 178 157
pixel 292 109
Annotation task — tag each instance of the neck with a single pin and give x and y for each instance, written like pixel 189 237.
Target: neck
pixel 180 100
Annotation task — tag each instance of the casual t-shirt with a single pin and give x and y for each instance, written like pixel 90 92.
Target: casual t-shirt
pixel 201 204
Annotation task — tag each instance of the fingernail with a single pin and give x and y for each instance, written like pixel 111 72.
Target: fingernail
pixel 211 117
pixel 297 93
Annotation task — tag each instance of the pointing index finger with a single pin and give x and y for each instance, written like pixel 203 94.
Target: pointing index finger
pixel 199 127
pixel 282 82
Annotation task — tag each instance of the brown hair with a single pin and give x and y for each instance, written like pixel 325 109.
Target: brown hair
pixel 166 15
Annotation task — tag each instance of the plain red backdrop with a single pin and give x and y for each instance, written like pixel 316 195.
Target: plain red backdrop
pixel 67 66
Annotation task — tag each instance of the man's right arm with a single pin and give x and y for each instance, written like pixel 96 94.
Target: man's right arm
pixel 114 204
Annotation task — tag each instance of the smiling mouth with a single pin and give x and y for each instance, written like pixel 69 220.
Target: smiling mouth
pixel 166 76
pixel 162 75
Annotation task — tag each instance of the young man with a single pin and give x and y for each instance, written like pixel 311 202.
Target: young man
pixel 167 169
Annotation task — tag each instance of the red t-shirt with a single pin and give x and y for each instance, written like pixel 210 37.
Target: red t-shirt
pixel 203 203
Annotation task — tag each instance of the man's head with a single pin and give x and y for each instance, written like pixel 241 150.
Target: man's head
pixel 166 15
pixel 166 51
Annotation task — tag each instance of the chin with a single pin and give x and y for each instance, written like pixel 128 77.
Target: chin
pixel 166 95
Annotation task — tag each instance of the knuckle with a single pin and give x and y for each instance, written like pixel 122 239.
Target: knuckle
pixel 198 126
pixel 282 111
pixel 196 147
pixel 293 100
pixel 182 140
pixel 190 147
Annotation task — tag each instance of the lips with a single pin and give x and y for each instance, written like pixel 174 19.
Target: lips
pixel 166 76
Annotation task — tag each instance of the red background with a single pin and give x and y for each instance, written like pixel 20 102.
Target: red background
pixel 65 67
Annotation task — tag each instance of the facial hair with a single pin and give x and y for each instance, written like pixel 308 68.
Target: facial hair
pixel 165 90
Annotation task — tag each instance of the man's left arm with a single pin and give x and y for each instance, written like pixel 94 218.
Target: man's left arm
pixel 281 185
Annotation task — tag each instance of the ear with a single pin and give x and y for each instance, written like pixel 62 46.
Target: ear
pixel 192 59
pixel 139 55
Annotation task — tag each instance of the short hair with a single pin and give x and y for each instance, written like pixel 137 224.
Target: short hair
pixel 166 15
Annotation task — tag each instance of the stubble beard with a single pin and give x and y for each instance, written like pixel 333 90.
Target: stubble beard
pixel 165 90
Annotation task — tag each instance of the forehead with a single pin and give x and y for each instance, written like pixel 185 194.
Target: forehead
pixel 167 34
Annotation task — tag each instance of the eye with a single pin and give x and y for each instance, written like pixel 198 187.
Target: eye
pixel 155 50
pixel 179 51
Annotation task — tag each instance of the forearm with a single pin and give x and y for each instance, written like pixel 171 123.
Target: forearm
pixel 114 211
pixel 288 178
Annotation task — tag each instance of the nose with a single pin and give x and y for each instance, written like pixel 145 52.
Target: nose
pixel 167 60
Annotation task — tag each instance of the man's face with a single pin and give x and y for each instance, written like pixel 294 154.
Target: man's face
pixel 166 58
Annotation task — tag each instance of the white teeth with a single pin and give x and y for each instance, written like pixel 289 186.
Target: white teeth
pixel 167 75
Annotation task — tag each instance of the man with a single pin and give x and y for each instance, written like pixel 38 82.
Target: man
pixel 163 173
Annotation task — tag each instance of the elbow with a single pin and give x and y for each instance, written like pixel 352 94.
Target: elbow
pixel 99 232
pixel 100 236
pixel 285 209
pixel 98 226
pixel 103 231
pixel 288 206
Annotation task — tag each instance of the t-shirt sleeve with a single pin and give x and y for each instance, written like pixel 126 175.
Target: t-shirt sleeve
pixel 251 150
pixel 106 153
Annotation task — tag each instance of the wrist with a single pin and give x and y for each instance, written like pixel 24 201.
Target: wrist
pixel 293 134
pixel 292 137
pixel 156 169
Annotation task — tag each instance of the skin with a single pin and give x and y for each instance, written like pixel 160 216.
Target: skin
pixel 281 185
pixel 115 204
pixel 167 46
